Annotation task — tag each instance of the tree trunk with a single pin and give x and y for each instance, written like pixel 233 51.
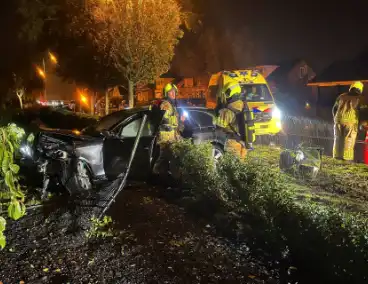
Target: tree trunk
pixel 131 93
pixel 93 99
pixel 107 102
pixel 20 101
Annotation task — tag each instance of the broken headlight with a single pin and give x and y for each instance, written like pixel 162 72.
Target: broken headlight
pixel 26 150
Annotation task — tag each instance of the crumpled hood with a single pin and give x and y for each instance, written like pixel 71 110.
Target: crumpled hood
pixel 65 135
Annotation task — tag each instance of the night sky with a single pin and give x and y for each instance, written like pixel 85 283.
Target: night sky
pixel 320 33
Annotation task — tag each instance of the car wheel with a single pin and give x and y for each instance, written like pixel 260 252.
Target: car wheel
pixel 80 181
pixel 83 176
pixel 217 152
pixel 286 161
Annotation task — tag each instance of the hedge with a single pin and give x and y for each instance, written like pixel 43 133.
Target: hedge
pixel 253 202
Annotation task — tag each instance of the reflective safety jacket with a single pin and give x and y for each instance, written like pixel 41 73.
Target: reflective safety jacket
pixel 238 121
pixel 169 127
pixel 347 108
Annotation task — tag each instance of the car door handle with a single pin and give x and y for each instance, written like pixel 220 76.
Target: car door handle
pixel 146 148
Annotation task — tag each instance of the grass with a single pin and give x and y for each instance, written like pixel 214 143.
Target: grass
pixel 339 183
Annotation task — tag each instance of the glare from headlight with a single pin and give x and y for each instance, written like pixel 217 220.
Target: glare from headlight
pixel 276 113
pixel 278 125
pixel 26 151
pixel 186 114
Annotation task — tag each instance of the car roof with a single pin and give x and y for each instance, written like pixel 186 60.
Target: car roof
pixel 145 108
pixel 124 113
pixel 196 108
pixel 193 107
pixel 128 112
pixel 133 110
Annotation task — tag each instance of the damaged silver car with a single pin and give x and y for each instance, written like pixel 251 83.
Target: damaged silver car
pixel 81 161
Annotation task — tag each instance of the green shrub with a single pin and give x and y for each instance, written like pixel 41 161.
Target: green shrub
pixel 257 202
pixel 11 195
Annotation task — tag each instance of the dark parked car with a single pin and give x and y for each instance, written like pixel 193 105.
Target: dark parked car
pixel 100 152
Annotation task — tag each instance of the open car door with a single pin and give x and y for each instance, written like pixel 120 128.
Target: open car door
pixel 117 148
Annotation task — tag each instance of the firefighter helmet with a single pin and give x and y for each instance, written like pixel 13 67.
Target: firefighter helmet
pixel 170 87
pixel 358 86
pixel 232 89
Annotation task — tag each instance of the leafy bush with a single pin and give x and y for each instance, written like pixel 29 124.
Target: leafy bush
pixel 257 203
pixel 11 195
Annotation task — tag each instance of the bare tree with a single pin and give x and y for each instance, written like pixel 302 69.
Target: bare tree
pixel 139 36
pixel 19 88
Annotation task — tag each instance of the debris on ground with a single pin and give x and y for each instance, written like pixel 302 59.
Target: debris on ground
pixel 154 242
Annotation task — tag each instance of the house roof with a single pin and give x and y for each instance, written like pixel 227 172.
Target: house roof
pixel 284 68
pixel 343 72
pixel 168 75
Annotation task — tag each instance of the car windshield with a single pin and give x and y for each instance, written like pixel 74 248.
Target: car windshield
pixel 256 92
pixel 106 123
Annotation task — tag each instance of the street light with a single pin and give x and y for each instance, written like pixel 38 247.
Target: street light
pixel 84 99
pixel 53 58
pixel 41 72
pixel 83 96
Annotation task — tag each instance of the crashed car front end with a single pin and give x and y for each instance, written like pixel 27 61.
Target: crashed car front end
pixel 53 156
pixel 64 159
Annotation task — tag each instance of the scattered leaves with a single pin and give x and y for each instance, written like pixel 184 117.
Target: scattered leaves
pixel 101 228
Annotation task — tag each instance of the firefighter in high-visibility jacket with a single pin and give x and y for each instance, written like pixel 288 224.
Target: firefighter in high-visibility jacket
pixel 236 120
pixel 346 121
pixel 250 133
pixel 168 129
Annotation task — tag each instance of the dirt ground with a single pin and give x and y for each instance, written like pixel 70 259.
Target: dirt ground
pixel 156 242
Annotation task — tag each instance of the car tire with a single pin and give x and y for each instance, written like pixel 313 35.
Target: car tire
pixel 80 181
pixel 217 152
pixel 286 161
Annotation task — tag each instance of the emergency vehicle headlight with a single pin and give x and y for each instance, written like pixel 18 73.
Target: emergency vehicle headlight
pixel 185 114
pixel 276 113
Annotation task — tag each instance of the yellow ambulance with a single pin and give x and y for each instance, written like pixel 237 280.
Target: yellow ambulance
pixel 257 93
